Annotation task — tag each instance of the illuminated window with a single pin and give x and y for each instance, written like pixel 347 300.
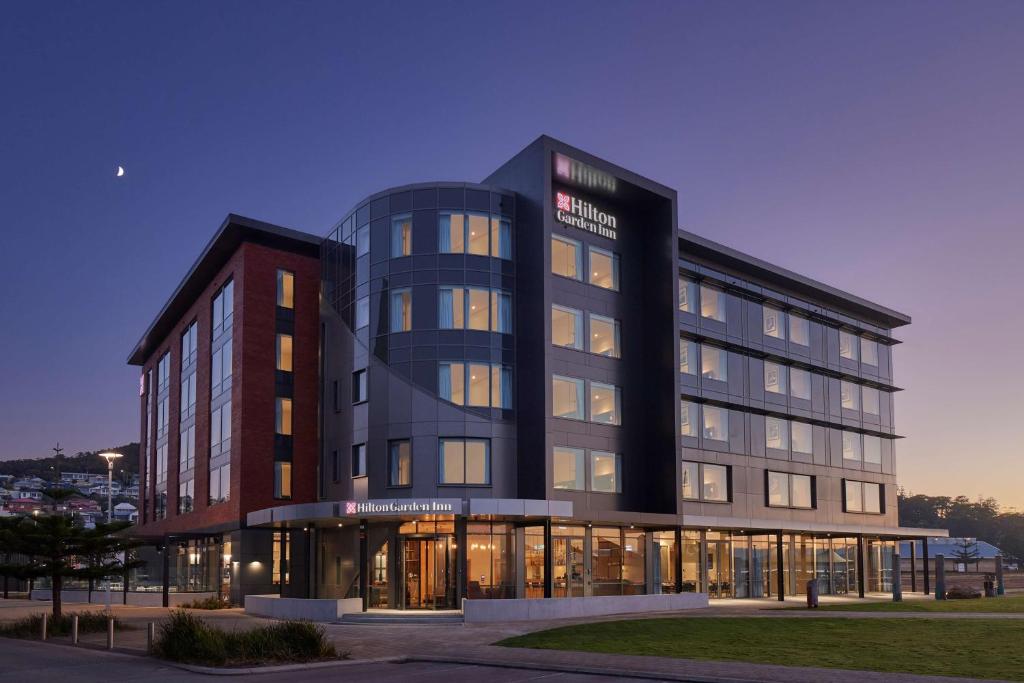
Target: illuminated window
pixel 400 463
pixel 849 346
pixel 566 327
pixel 800 383
pixel 776 433
pixel 687 357
pixel 285 289
pixel 568 468
pixel 712 303
pixel 691 479
pixel 790 490
pixel 464 461
pixel 401 310
pixel 716 423
pixel 714 483
pixel 799 330
pixel 478 228
pixel 567 397
pixel 566 257
pixel 501 237
pixel 282 480
pixel 604 269
pixel 687 418
pixel 284 352
pixel 283 416
pixel 479 387
pixel 869 352
pixel 484 384
pixel 474 233
pixel 802 437
pixel 862 496
pixel 849 395
pixel 604 336
pixel 401 236
pixel 605 472
pixel 604 404
pixel 714 363
pixel 774 322
pixel 474 308
pixel 775 377
pixel 452 233
pixel 687 295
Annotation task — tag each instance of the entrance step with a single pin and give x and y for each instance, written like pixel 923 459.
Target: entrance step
pixel 402 617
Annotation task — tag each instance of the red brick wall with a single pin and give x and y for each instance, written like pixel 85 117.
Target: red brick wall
pixel 254 270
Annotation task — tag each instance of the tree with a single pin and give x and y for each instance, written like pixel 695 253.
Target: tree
pixel 9 569
pixel 966 551
pixel 59 549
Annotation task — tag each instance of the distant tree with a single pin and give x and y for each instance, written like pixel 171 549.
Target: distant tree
pixel 8 549
pixel 967 551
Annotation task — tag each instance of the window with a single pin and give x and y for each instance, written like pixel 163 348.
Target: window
pixel 501 237
pixel 688 357
pixel 714 363
pixel 162 417
pixel 852 447
pixel 363 241
pixel 186 492
pixel 282 480
pixel 799 330
pixel 401 310
pixel 869 352
pixel 359 460
pixel 479 231
pixel 605 404
pixel 605 472
pixel 474 308
pixel 869 396
pixel 362 318
pixel 604 268
pixel 189 344
pixel 568 468
pixel 359 388
pixel 774 322
pixel 284 352
pixel 163 372
pixel 567 397
pixel 687 295
pixel 872 450
pixel 566 257
pixel 285 289
pixel 790 490
pixel 188 395
pixel 800 383
pixel 220 484
pixel 566 327
pixel 862 496
pixel 283 416
pixel 452 233
pixel 848 345
pixel 716 423
pixel 774 377
pixel 401 235
pixel 849 395
pixel 400 463
pixel 712 303
pixel 187 449
pixel 704 481
pixel 802 437
pixel 474 233
pixel 465 461
pixel 776 433
pixel 604 336
pixel 687 418
pixel 161 464
pixel 220 368
pixel 485 385
pixel 223 308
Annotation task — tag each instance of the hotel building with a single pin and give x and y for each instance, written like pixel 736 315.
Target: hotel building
pixel 537 386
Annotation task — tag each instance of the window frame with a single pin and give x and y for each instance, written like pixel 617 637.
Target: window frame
pixel 394 449
pixel 285 289
pixel 579 326
pixel 578 261
pixel 615 331
pixel 790 490
pixel 579 456
pixel 358 460
pixel 401 226
pixel 720 303
pixel 615 267
pixel 593 456
pixel 781 322
pixel 360 386
pixel 465 441
pixel 704 424
pixel 701 482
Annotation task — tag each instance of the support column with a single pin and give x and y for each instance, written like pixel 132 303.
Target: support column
pixel 678 560
pixel 940 577
pixel 913 566
pixel 167 571
pixel 924 566
pixel 860 566
pixel 1000 587
pixel 364 564
pixel 549 565
pixel 897 580
pixel 780 567
pixel 461 562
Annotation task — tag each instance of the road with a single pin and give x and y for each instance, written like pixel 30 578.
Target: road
pixel 32 662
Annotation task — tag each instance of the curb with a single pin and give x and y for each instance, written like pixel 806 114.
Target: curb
pixel 283 668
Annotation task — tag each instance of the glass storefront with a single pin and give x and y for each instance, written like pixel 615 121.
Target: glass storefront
pixel 490 561
pixel 533 580
pixel 567 561
pixel 664 564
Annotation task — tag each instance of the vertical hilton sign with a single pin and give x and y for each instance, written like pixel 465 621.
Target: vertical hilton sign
pixel 584 215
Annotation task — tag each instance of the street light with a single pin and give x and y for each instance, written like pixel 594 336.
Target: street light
pixel 110 458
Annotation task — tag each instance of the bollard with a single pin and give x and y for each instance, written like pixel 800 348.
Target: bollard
pixel 150 636
pixel 110 633
pixel 74 629
pixel 812 593
pixel 1000 587
pixel 940 577
pixel 897 581
pixel 42 632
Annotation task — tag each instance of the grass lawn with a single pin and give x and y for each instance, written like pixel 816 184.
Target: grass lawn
pixel 1003 604
pixel 973 648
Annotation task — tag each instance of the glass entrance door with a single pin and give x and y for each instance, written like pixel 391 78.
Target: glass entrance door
pixel 428 570
pixel 719 569
pixel 567 560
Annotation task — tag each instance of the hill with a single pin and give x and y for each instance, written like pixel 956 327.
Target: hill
pixel 47 468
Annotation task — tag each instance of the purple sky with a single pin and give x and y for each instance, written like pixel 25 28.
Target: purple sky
pixel 878 147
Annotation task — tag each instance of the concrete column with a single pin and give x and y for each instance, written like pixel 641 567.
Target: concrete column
pixel 924 566
pixel 897 579
pixel 861 579
pixel 1000 587
pixel 940 577
pixel 913 566
pixel 678 560
pixel 780 567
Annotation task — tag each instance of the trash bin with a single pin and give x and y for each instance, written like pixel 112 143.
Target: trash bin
pixel 990 588
pixel 812 593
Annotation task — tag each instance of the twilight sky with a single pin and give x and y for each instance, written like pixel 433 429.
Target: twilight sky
pixel 878 147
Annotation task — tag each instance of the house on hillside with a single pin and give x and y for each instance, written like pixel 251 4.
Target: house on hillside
pixel 126 512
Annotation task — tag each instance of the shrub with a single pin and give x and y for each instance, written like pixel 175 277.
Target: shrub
pixel 88 622
pixel 185 637
pixel 962 593
pixel 212 602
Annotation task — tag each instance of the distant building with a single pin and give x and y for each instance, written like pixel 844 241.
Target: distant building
pixel 26 495
pixel 949 548
pixel 126 512
pixel 30 484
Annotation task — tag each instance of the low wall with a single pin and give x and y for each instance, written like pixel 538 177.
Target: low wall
pixel 476 611
pixel 309 609
pixel 137 598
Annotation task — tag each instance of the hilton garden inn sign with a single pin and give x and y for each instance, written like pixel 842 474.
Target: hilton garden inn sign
pixel 584 215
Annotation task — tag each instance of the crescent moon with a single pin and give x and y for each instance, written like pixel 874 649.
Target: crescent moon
pixel 120 171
